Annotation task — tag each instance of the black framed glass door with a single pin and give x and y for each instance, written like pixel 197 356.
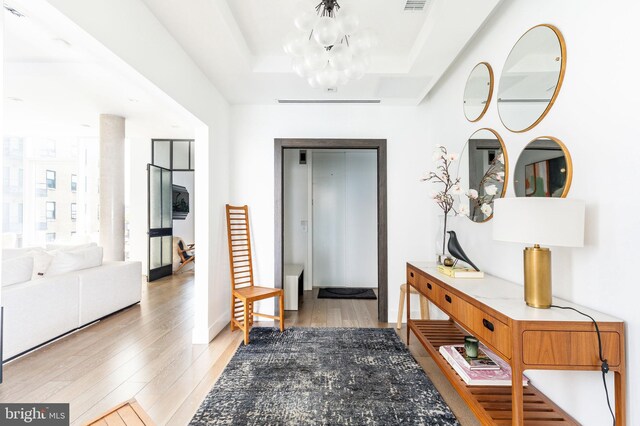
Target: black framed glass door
pixel 160 222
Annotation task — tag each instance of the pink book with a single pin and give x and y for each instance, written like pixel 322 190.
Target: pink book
pixel 501 377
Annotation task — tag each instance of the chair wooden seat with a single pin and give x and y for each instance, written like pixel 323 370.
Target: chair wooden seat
pixel 257 293
pixel 243 291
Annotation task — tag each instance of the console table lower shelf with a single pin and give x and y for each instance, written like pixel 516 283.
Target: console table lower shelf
pixel 490 404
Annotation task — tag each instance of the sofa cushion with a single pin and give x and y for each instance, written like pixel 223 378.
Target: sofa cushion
pixel 75 260
pixel 41 262
pixel 12 253
pixel 70 247
pixel 17 270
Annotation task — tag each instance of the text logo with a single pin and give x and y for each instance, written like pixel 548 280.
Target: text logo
pixel 34 414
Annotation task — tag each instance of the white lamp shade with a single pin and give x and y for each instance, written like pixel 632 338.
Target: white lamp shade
pixel 539 220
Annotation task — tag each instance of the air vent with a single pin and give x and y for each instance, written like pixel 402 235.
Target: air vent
pixel 15 12
pixel 416 5
pixel 328 101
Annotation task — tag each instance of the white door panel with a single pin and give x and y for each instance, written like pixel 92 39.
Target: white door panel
pixel 361 246
pixel 329 219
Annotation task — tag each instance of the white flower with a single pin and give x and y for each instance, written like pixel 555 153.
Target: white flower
pixel 472 193
pixel 500 158
pixel 486 209
pixel 453 156
pixel 500 176
pixel 437 156
pixel 463 210
pixel 491 190
pixel 457 190
pixel 435 195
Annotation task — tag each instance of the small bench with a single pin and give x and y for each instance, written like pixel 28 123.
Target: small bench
pixel 293 286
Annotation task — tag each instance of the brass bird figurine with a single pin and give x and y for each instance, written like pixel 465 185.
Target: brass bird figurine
pixel 456 251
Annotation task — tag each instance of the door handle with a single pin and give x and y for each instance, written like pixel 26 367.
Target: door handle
pixel 488 324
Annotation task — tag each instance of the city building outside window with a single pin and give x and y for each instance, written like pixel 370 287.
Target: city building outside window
pixel 51 210
pixel 51 179
pixel 32 166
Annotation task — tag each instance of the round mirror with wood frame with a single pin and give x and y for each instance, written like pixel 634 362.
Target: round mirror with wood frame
pixel 478 92
pixel 483 172
pixel 531 78
pixel 544 169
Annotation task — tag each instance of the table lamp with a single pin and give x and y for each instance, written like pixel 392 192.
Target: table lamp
pixel 539 221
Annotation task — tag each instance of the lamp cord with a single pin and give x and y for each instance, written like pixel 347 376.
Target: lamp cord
pixel 604 367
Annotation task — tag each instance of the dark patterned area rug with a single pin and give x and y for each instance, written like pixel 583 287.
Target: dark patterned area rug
pixel 346 293
pixel 323 376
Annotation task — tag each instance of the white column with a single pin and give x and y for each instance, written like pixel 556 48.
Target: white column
pixel 112 186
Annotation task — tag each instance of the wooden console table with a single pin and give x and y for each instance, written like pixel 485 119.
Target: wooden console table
pixel 527 338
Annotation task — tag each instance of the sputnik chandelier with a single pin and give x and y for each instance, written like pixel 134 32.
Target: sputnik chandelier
pixel 327 47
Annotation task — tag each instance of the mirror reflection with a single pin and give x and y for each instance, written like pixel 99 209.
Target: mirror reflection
pixel 477 92
pixel 543 169
pixel 482 172
pixel 531 78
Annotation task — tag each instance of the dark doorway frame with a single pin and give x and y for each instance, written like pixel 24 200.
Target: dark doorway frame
pixel 380 145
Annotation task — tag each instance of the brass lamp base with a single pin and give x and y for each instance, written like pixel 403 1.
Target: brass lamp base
pixel 537 277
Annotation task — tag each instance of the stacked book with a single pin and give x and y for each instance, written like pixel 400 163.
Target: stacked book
pixel 487 369
pixel 460 272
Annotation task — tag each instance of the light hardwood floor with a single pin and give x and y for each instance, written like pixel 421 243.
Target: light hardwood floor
pixel 145 352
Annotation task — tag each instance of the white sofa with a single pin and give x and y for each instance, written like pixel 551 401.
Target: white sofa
pixel 41 309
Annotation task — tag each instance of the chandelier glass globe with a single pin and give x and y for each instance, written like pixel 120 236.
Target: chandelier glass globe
pixel 328 47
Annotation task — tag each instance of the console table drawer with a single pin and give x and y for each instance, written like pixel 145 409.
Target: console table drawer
pixel 493 331
pixel 428 288
pixel 412 276
pixel 569 348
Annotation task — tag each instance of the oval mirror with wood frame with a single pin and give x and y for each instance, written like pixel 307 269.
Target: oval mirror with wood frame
pixel 531 78
pixel 544 169
pixel 483 171
pixel 478 92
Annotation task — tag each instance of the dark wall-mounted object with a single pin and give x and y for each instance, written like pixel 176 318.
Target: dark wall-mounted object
pixel 303 156
pixel 180 202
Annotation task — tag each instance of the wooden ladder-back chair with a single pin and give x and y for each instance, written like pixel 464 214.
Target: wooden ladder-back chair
pixel 243 291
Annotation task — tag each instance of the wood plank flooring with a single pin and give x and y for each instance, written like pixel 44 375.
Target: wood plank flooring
pixel 145 352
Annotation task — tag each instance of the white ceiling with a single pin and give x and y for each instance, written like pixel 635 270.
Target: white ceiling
pixel 237 44
pixel 54 84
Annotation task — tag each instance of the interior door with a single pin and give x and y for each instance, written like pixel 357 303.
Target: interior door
pixel 345 219
pixel 160 222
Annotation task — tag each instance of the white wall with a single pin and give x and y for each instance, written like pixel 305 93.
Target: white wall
pixel 408 156
pixel 185 228
pixel 596 117
pixel 144 49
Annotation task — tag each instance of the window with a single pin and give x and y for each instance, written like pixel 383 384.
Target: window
pixel 40 184
pixel 51 179
pixel 51 210
pixel 51 237
pixel 48 148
